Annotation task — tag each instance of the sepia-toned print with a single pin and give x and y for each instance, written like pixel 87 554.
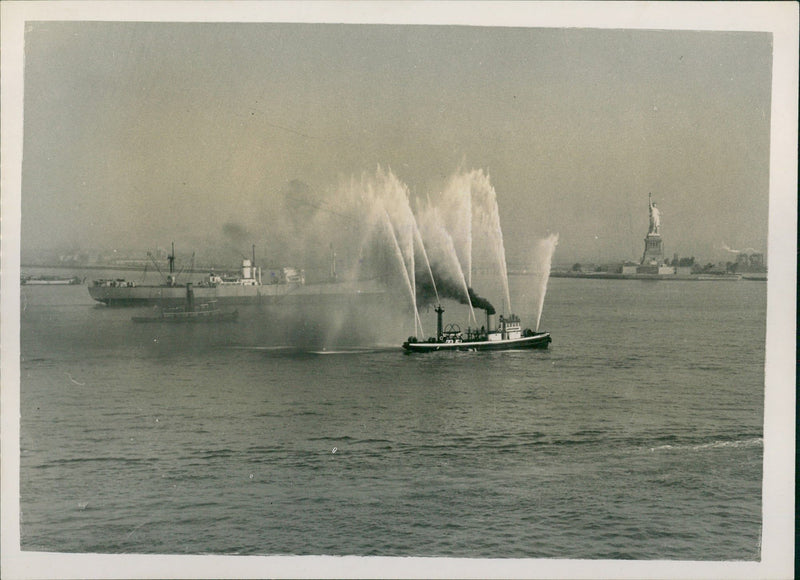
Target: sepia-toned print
pixel 425 291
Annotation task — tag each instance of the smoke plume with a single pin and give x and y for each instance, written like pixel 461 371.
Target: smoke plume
pixel 449 289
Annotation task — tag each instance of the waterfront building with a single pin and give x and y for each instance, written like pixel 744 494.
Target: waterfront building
pixel 664 270
pixel 629 268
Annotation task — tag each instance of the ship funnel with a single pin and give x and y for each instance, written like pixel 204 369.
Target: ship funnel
pixel 439 310
pixel 491 323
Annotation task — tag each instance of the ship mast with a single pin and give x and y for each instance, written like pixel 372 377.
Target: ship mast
pixel 171 259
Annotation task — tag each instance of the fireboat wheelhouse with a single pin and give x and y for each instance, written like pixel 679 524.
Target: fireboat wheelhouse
pixel 507 334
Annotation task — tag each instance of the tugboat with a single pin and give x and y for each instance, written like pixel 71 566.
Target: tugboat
pixel 506 335
pixel 205 312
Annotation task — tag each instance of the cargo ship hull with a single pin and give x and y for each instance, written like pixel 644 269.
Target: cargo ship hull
pixel 268 294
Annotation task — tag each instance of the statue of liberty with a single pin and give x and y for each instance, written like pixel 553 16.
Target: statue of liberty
pixel 655 217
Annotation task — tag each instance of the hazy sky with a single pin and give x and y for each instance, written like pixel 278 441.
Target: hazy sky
pixel 138 134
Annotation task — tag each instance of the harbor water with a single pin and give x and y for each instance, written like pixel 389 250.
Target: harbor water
pixel 636 435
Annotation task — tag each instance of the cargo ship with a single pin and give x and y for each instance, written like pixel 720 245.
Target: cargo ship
pixel 506 335
pixel 288 288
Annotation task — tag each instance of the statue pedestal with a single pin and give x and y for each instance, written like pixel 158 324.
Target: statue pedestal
pixel 653 249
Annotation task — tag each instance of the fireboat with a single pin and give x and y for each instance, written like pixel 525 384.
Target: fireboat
pixel 507 334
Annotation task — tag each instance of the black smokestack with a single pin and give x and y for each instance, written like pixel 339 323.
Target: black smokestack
pixel 439 311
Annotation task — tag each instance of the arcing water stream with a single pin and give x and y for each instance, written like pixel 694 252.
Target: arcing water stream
pixel 542 261
pixel 443 233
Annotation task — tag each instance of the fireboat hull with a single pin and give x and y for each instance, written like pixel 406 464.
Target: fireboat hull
pixel 538 340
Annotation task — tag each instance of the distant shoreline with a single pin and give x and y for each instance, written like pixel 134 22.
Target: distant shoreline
pixel 754 276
